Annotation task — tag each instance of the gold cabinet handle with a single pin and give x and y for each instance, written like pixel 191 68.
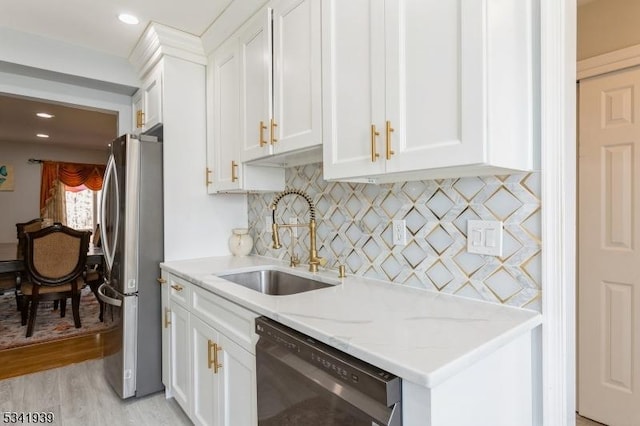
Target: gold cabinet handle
pixel 374 133
pixel 161 280
pixel 212 356
pixel 177 287
pixel 140 119
pixel 139 115
pixel 263 127
pixel 207 176
pixel 167 317
pixel 234 174
pixel 273 132
pixel 390 129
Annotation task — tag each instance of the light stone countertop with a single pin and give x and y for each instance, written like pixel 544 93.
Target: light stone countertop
pixel 422 336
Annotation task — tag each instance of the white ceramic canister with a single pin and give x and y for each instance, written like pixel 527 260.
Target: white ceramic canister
pixel 240 242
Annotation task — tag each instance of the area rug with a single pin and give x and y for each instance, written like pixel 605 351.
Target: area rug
pixel 49 326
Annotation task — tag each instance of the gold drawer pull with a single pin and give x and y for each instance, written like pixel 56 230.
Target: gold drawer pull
pixel 234 174
pixel 263 127
pixel 207 177
pixel 162 280
pixel 273 131
pixel 212 356
pixel 374 133
pixel 177 287
pixel 167 317
pixel 390 129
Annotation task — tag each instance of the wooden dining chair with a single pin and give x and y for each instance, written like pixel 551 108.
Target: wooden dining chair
pixel 55 259
pixel 22 228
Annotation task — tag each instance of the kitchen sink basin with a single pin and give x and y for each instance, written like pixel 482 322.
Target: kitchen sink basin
pixel 275 283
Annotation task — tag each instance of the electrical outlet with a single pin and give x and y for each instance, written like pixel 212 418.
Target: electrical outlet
pixel 399 233
pixel 294 231
pixel 267 224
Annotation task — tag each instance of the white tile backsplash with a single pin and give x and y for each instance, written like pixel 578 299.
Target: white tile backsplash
pixel 354 229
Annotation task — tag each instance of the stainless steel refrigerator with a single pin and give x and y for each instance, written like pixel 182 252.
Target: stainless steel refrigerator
pixel 132 238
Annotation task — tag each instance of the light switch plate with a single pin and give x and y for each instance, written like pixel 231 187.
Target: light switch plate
pixel 399 232
pixel 484 237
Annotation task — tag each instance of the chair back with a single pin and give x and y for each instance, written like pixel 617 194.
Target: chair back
pixel 21 228
pixel 56 254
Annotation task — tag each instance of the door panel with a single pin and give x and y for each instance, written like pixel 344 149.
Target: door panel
pixel 609 260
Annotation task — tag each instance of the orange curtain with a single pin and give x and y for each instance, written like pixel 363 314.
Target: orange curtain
pixel 71 174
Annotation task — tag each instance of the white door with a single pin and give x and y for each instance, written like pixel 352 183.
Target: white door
pixel 180 362
pixel 225 129
pixel 152 99
pixel 435 84
pixel 206 396
pixel 237 384
pixel 609 260
pixel 165 320
pixel 256 87
pixel 296 75
pixel 353 86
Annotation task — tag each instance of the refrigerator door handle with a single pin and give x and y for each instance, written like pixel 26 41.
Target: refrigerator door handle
pixel 110 174
pixel 106 299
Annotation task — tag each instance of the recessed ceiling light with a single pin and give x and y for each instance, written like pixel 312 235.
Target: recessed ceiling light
pixel 42 135
pixel 45 115
pixel 128 19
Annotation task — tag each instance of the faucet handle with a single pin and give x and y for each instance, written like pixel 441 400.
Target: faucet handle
pixel 295 261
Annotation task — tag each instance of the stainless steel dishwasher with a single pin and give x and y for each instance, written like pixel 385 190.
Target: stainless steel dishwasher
pixel 303 382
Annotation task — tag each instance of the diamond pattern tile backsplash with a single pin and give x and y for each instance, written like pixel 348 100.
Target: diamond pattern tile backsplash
pixel 354 229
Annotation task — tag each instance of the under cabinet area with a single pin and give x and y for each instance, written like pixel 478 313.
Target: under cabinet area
pixel 210 355
pixel 427 89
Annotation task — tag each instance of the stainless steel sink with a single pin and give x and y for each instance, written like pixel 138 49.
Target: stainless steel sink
pixel 275 283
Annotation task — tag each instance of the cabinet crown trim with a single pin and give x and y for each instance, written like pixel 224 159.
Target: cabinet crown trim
pixel 159 40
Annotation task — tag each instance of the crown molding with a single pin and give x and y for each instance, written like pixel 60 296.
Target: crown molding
pixel 159 40
pixel 607 62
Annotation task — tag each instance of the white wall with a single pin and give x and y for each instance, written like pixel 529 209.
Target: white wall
pixel 607 25
pixel 22 204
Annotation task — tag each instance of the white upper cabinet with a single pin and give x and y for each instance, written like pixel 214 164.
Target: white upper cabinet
pixel 225 170
pixel 427 89
pixel 223 151
pixel 281 80
pixel 147 102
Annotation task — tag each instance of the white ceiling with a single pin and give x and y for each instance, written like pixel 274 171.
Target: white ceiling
pixel 91 24
pixel 71 126
pixel 94 23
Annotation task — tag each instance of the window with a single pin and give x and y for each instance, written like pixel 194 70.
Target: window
pixel 81 207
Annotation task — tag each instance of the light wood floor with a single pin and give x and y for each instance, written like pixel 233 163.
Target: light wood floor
pixel 78 394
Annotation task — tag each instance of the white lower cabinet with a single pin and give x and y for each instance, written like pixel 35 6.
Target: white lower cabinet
pixel 213 374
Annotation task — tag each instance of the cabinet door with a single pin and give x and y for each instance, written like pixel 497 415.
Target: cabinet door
pixel 434 93
pixel 166 334
pixel 225 129
pixel 297 74
pixel 205 381
pixel 152 95
pixel 180 359
pixel 256 87
pixel 353 87
pixel 237 378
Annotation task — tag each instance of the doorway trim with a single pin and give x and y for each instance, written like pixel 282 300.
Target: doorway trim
pixel 558 160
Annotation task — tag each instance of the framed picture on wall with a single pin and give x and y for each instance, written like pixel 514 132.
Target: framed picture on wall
pixel 6 177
